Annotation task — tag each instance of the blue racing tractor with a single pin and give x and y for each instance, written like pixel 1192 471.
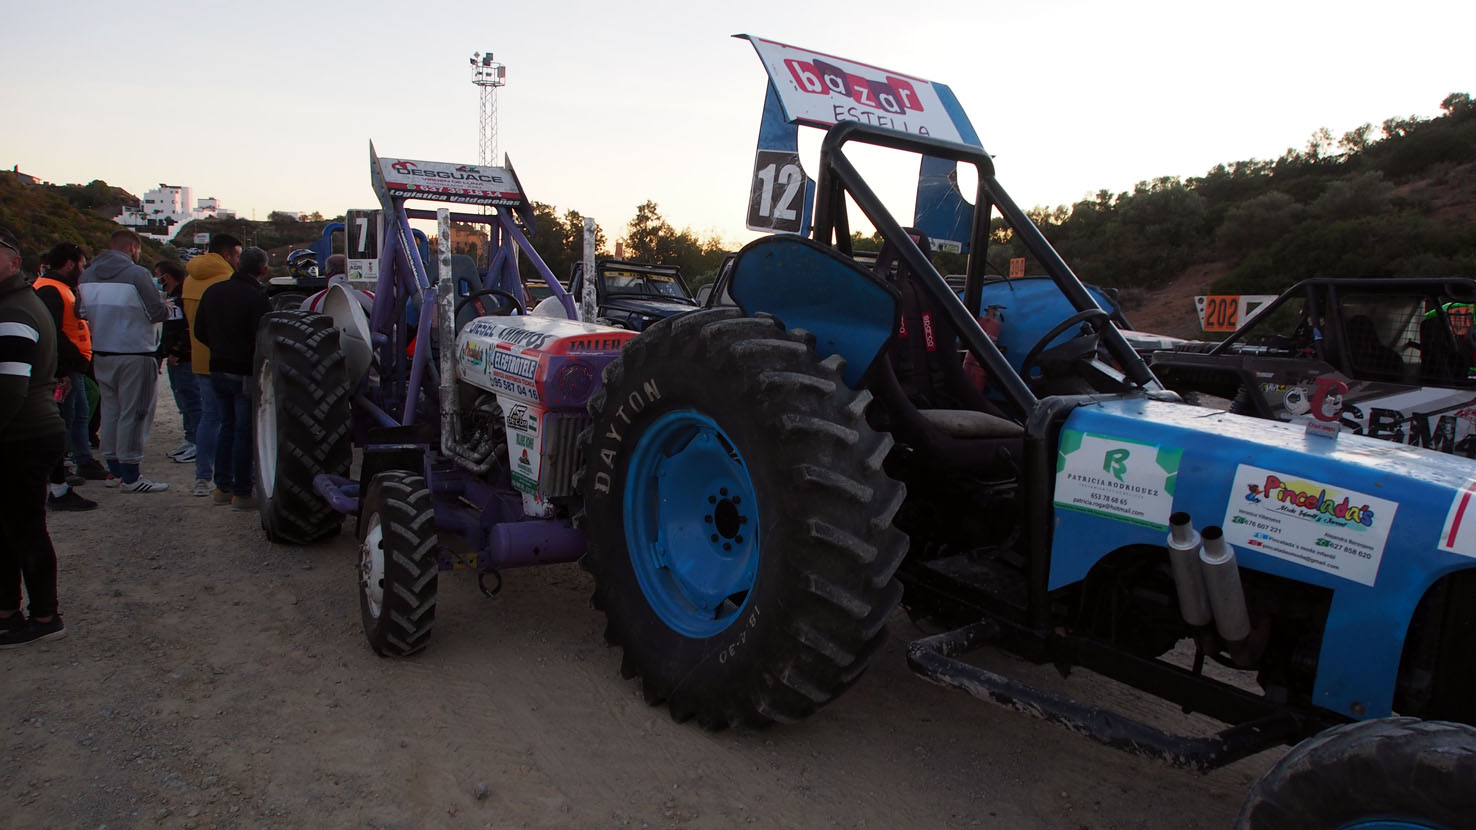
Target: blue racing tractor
pixel 755 489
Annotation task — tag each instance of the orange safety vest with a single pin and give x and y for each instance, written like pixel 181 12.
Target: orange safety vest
pixel 74 327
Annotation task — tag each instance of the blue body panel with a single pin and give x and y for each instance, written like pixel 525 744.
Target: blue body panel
pixel 808 286
pixel 1031 306
pixel 942 211
pixel 1366 624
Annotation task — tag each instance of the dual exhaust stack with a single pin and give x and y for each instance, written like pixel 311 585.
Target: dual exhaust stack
pixel 1207 579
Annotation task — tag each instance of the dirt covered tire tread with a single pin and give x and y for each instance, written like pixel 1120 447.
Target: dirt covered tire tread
pixel 402 503
pixel 1393 768
pixel 311 393
pixel 824 588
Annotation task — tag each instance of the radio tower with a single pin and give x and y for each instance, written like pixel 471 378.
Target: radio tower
pixel 488 75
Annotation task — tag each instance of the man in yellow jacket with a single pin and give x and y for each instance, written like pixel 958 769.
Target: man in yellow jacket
pixel 204 271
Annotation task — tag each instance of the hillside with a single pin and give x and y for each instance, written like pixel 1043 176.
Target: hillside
pixel 42 215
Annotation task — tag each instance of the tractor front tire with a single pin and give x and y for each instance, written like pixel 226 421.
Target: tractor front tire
pixel 1390 772
pixel 300 405
pixel 398 572
pixel 739 523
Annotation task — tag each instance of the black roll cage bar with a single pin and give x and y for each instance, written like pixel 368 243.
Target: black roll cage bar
pixel 838 177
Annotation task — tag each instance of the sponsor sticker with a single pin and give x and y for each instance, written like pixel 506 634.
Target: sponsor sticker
pixel 1117 478
pixel 522 444
pixel 1312 523
pixel 1459 532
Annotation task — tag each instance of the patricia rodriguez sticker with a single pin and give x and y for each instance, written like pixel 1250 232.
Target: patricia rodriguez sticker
pixel 1117 478
pixel 1332 529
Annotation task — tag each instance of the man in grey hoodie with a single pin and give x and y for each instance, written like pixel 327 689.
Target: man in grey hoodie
pixel 125 310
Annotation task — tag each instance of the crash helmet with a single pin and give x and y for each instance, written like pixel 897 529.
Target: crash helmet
pixel 303 263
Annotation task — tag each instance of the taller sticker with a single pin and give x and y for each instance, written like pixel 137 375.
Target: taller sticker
pixel 1117 478
pixel 1332 529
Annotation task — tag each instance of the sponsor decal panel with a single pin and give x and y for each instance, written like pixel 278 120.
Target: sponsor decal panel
pixel 1319 525
pixel 522 443
pixel 821 90
pixel 1117 478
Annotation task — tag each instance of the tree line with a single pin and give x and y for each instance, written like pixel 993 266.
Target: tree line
pixel 1394 200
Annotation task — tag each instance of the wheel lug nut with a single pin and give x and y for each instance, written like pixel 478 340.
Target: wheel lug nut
pixel 707 519
pixel 723 490
pixel 712 499
pixel 727 546
pixel 714 537
pixel 738 539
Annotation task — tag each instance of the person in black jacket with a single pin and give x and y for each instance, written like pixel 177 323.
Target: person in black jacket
pixel 174 350
pixel 225 322
pixel 32 439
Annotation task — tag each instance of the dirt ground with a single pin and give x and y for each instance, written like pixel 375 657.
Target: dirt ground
pixel 211 679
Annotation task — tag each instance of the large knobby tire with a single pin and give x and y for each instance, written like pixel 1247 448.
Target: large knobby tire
pixel 288 300
pixel 738 520
pixel 302 424
pixel 1392 772
pixel 398 572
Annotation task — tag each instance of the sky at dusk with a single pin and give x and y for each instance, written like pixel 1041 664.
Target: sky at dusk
pixel 272 105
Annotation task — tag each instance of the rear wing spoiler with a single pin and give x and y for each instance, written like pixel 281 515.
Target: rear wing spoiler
pixel 813 89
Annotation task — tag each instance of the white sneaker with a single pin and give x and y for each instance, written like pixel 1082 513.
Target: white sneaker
pixel 181 449
pixel 143 485
pixel 203 486
pixel 187 456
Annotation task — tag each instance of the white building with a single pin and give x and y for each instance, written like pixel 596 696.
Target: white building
pixel 166 207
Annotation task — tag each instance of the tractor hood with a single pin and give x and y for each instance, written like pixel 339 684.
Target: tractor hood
pixel 1373 522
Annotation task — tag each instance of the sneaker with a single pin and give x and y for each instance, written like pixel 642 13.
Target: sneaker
pixel 185 457
pixel 14 622
pixel 244 503
pixel 92 470
pixel 203 487
pixel 34 631
pixel 69 500
pixel 144 485
pixel 220 496
pixel 111 481
pixel 180 449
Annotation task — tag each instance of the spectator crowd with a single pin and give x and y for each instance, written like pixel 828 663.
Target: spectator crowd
pixel 82 347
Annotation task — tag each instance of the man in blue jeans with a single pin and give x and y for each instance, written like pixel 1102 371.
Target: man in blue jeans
pixel 225 322
pixel 174 349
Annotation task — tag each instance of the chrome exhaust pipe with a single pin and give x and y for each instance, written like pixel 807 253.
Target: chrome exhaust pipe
pixel 1222 584
pixel 1183 545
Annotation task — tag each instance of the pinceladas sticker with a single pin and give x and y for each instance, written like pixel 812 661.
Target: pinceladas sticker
pixel 1116 478
pixel 1333 529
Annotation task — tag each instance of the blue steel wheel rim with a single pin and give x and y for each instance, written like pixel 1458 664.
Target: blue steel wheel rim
pixel 1392 824
pixel 691 523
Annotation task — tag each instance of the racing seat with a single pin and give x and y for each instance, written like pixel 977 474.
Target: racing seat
pixel 930 403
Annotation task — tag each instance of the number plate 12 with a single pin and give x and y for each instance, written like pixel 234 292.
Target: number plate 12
pixel 777 196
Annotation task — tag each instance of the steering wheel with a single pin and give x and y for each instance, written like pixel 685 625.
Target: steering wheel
pixel 475 300
pixel 1087 344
